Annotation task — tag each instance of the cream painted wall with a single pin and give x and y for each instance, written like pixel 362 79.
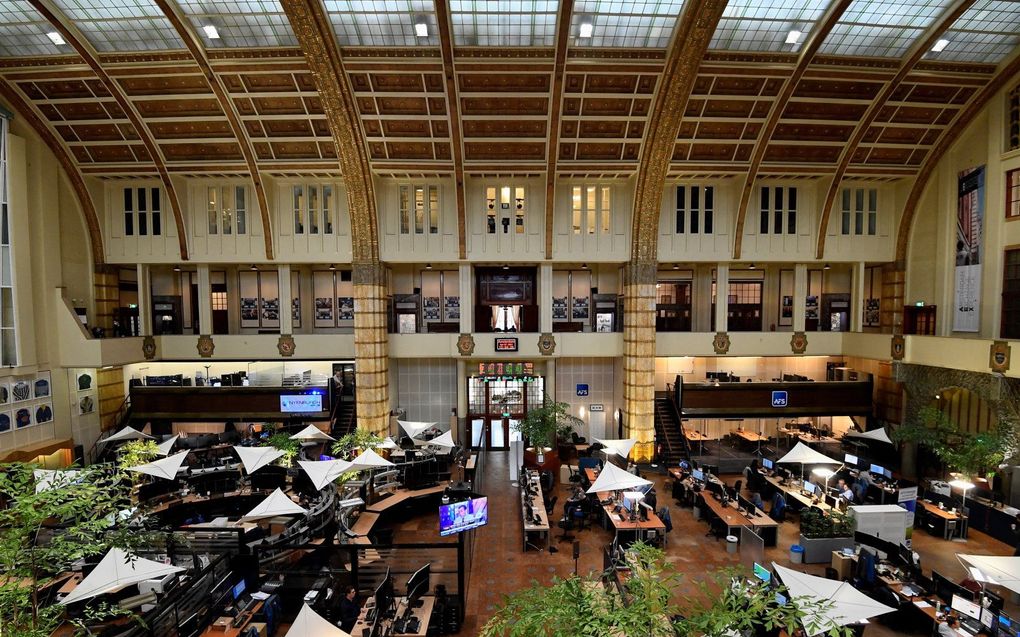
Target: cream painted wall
pixel 413 247
pixel 585 247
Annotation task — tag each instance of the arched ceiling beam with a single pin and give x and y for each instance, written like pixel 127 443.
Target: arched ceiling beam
pixel 453 112
pixel 914 55
pixel 555 100
pixel 693 34
pixel 315 35
pixel 190 38
pixel 27 111
pixel 945 141
pixel 73 37
pixel 828 20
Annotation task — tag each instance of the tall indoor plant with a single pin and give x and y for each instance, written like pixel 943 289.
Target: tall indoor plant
pixel 540 427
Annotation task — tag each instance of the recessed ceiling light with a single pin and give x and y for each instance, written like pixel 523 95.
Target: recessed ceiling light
pixel 587 28
pixel 792 37
pixel 56 38
pixel 332 267
pixel 752 267
pixel 676 266
pixel 211 32
pixel 826 267
pixel 421 29
pixel 428 266
pixel 940 45
pixel 254 268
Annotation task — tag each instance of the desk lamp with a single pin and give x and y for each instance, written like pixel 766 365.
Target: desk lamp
pixel 824 472
pixel 962 485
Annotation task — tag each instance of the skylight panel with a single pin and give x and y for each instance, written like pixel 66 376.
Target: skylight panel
pixel 383 22
pixel 241 23
pixel 882 28
pixel 766 25
pixel 503 22
pixel 615 24
pixel 23 32
pixel 986 33
pixel 122 25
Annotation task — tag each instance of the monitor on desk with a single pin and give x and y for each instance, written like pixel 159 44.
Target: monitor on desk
pixel 384 595
pixel 745 504
pixel 762 573
pixel 887 473
pixel 238 590
pixel 850 459
pixel 768 464
pixel 945 588
pixel 811 488
pixel 698 474
pixel 966 607
pixel 1006 626
pixel 877 470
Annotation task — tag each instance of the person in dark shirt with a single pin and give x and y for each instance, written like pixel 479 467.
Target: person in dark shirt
pixel 1015 527
pixel 349 609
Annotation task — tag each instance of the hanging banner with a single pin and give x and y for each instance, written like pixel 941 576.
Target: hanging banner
pixel 969 224
pixel 907 498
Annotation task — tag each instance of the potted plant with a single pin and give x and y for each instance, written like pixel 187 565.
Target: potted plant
pixel 823 533
pixel 540 428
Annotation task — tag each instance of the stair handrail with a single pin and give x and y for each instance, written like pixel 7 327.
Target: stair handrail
pixel 119 417
pixel 675 412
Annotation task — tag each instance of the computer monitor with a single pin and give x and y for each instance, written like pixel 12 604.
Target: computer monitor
pixel 384 595
pixel 714 487
pixel 850 459
pixel 811 488
pixel 238 590
pixel 762 573
pixel 698 474
pixel 418 584
pixel 768 464
pixel 992 601
pixel 945 588
pixel 745 504
pixel 1006 626
pixel 966 607
pixel 877 469
pixel 781 599
pixel 887 473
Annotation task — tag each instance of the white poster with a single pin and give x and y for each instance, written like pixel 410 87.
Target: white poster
pixel 969 222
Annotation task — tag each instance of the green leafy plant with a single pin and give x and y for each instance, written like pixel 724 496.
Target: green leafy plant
pixel 289 447
pixel 969 453
pixel 816 525
pixel 357 440
pixel 542 425
pixel 135 452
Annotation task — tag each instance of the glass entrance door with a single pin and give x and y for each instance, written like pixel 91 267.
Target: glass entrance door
pixel 495 405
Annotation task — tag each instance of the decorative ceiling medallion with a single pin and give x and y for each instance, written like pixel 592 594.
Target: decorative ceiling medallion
pixel 286 345
pixel 998 356
pixel 149 348
pixel 798 343
pixel 898 347
pixel 546 344
pixel 206 347
pixel 466 345
pixel 721 343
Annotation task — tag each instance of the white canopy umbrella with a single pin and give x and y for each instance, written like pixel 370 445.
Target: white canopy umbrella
pixel 414 428
pixel 369 459
pixel 52 478
pixel 168 444
pixel 619 447
pixel 115 571
pixel 806 455
pixel 1003 570
pixel 875 434
pixel 387 444
pixel 278 503
pixel 254 458
pixel 311 432
pixel 127 433
pixel 165 468
pixel 310 624
pixel 321 473
pixel 841 603
pixel 445 440
pixel 613 478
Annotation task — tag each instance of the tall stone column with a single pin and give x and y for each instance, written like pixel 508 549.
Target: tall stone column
pixel 286 298
pixel 144 301
pixel 800 293
pixel 857 277
pixel 205 321
pixel 722 297
pixel 370 347
pixel 894 278
pixel 639 357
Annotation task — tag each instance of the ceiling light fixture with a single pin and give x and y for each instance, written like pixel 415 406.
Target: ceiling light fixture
pixel 586 29
pixel 211 32
pixel 940 45
pixel 752 267
pixel 676 266
pixel 332 267
pixel 421 29
pixel 506 266
pixel 254 268
pixel 792 37
pixel 826 267
pixel 584 266
pixel 177 268
pixel 428 266
pixel 56 38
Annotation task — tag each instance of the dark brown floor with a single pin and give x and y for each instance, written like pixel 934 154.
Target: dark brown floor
pixel 500 566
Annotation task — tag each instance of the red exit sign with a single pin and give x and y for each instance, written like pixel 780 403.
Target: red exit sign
pixel 506 344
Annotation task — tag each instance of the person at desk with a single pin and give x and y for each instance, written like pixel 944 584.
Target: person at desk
pixel 651 499
pixel 573 502
pixel 844 490
pixel 1015 528
pixel 948 627
pixel 756 501
pixel 349 609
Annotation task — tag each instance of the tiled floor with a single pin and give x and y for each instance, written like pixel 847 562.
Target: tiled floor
pixel 500 565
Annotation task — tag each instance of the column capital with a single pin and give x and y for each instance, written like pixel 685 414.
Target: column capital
pixel 368 273
pixel 641 273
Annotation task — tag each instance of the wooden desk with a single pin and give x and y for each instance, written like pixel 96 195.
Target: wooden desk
pixel 945 517
pixel 762 524
pixel 750 436
pixel 70 584
pixel 793 493
pixel 423 614
pixel 820 440
pixel 695 436
pixel 401 495
pixel 224 626
pixel 541 528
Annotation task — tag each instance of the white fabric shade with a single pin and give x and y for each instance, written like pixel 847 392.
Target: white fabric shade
pixel 414 428
pixel 254 458
pixel 842 604
pixel 619 447
pixel 1003 570
pixel 128 433
pixel 311 432
pixel 445 440
pixel 308 623
pixel 613 478
pixel 167 445
pixel 165 468
pixel 875 434
pixel 387 444
pixel 369 459
pixel 321 473
pixel 278 503
pixel 115 571
pixel 806 455
pixel 51 478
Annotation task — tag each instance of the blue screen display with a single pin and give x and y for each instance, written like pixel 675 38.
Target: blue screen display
pixel 463 516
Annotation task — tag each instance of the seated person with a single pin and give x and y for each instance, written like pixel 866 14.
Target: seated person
pixel 573 502
pixel 349 609
pixel 651 499
pixel 844 490
pixel 756 501
pixel 948 627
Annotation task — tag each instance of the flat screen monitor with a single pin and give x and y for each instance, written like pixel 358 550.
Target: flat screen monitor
pixel 302 403
pixel 877 469
pixel 698 474
pixel 762 573
pixel 887 473
pixel 966 607
pixel 463 516
pixel 810 487
pixel 781 599
pixel 384 595
pixel 945 588
pixel 238 590
pixel 418 583
pixel 768 464
pixel 850 459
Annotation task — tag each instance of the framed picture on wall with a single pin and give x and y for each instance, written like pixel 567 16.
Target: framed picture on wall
pixel 581 308
pixel 786 311
pixel 872 312
pixel 5 421
pixel 345 308
pixel 43 413
pixel 86 405
pixel 451 308
pixel 324 310
pixel 430 308
pixel 249 312
pixel 559 308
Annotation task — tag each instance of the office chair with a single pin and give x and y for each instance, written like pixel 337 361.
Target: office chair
pixel 717 529
pixel 737 485
pixel 831 573
pixel 580 514
pixel 567 524
pixel 551 504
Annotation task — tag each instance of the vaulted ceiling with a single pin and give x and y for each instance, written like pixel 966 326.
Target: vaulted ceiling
pixel 136 87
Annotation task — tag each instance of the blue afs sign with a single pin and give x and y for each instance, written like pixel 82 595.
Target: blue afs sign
pixel 779 399
pixel 582 390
